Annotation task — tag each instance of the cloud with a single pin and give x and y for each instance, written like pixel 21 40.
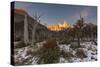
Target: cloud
pixel 84 13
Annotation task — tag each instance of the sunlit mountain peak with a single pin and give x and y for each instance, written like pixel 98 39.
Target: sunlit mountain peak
pixel 59 27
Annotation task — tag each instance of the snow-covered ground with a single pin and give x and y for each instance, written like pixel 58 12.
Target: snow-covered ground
pixel 25 56
pixel 89 48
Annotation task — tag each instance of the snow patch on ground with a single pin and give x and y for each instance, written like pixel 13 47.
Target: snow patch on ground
pixel 64 47
pixel 62 60
pixel 24 55
pixel 89 48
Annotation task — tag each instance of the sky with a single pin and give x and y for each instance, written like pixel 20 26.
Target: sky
pixel 55 13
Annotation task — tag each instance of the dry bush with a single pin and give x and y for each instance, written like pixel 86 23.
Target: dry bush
pixel 49 53
pixel 80 53
pixel 74 45
pixel 51 43
pixel 67 55
pixel 20 44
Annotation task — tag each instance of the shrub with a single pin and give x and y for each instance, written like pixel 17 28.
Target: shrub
pixel 50 44
pixel 67 55
pixel 80 53
pixel 74 45
pixel 64 42
pixel 20 44
pixel 49 53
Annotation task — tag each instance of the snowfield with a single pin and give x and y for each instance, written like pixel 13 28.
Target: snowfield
pixel 25 56
pixel 90 50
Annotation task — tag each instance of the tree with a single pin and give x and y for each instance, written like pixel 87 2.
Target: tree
pixel 78 29
pixel 37 20
pixel 26 39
